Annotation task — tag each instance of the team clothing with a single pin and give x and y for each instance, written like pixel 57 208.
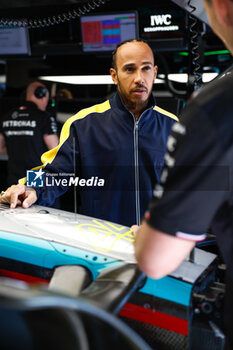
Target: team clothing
pixel 196 191
pixel 111 145
pixel 23 129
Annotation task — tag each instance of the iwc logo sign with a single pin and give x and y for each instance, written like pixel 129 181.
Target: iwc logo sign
pixel 160 20
pixel 162 23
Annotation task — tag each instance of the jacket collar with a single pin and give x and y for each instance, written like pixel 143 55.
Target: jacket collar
pixel 117 102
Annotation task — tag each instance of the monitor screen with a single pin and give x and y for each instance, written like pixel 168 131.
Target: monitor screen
pixel 102 32
pixel 164 27
pixel 14 41
pixel 162 23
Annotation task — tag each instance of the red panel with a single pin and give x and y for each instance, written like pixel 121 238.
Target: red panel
pixel 110 26
pixel 92 32
pixel 155 318
pixel 22 277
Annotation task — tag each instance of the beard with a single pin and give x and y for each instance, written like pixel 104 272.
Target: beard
pixel 134 103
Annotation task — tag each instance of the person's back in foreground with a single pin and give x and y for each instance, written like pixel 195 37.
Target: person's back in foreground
pixel 196 192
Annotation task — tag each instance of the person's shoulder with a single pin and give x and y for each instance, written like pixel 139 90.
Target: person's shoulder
pixel 165 113
pixel 97 109
pixel 44 114
pixel 211 104
pixel 41 116
pixel 217 91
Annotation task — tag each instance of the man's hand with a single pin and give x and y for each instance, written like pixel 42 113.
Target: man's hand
pixel 19 195
pixel 134 228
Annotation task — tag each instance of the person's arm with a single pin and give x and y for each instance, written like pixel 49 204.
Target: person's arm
pixel 51 141
pixel 157 253
pixel 190 192
pixel 49 131
pixel 3 149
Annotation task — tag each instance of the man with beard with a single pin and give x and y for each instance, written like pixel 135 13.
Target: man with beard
pixel 121 141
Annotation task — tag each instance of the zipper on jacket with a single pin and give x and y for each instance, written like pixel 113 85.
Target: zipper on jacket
pixel 136 173
pixel 136 167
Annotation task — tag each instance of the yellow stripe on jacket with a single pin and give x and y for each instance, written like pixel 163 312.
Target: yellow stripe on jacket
pixel 49 156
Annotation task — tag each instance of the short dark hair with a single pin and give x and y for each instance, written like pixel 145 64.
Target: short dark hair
pixel 114 53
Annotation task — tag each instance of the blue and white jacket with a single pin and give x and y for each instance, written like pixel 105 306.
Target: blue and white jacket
pixel 106 142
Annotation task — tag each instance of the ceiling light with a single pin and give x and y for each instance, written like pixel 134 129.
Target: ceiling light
pixel 84 79
pixel 206 77
pixel 2 79
pixel 183 77
pixel 106 79
pixel 80 79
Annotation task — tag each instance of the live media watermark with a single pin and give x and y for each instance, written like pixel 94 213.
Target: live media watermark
pixel 38 178
pixel 122 178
